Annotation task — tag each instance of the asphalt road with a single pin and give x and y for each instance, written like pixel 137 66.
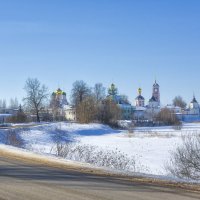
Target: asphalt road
pixel 20 181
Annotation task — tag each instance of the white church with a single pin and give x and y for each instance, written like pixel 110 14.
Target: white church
pixel 139 111
pixel 147 112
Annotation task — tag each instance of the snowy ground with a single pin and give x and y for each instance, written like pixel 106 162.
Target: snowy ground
pixel 151 147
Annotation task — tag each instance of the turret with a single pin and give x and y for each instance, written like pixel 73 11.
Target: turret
pixel 112 90
pixel 194 104
pixel 139 100
pixel 60 97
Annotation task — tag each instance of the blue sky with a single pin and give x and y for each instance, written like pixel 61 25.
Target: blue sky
pixel 128 42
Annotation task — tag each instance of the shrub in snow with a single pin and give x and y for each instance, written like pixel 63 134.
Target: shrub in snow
pixel 185 161
pixel 20 117
pixel 91 154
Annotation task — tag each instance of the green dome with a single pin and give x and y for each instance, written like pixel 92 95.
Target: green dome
pixel 59 92
pixel 112 90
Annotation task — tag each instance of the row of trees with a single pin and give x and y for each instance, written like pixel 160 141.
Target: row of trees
pixel 167 117
pixel 178 101
pixel 90 103
pixel 12 104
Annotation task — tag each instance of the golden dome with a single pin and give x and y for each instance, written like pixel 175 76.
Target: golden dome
pixel 139 91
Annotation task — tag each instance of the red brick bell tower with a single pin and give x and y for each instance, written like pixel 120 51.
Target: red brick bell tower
pixel 156 91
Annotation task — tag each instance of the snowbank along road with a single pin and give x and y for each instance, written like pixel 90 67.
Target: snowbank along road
pixel 20 180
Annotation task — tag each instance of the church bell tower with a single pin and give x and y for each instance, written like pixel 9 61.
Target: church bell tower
pixel 156 91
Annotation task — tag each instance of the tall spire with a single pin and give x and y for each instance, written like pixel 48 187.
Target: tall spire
pixel 194 99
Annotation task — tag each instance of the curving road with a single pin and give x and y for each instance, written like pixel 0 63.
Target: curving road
pixel 20 181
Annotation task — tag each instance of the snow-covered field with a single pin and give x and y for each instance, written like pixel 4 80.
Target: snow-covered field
pixel 151 147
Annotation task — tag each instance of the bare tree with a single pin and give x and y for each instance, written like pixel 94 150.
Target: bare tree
pixel 13 103
pixel 124 98
pixel 19 117
pixel 36 94
pixel 178 101
pixel 92 106
pixel 99 92
pixel 56 109
pixel 80 91
pixel 167 117
pixel 4 104
pixel 87 110
pixel 185 160
pixel 1 103
pixel 110 113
